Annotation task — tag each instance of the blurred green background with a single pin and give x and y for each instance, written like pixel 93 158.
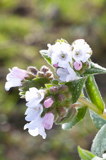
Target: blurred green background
pixel 26 26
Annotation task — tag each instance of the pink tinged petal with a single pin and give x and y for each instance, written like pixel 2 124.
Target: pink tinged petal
pixel 48 102
pixel 55 65
pixel 16 72
pixel 77 66
pixel 48 120
pixel 15 77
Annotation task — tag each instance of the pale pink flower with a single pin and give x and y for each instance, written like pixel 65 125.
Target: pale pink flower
pixel 48 120
pixel 15 77
pixel 48 102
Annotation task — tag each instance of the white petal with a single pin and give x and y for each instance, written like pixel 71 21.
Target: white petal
pixel 31 93
pixel 34 97
pixel 36 127
pixel 72 75
pixel 33 132
pixel 62 73
pixel 13 83
pixel 104 155
pixel 33 114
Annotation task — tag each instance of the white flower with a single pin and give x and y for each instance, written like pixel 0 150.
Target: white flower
pixel 34 97
pixel 15 77
pixel 60 53
pixel 33 113
pixel 81 51
pixel 36 127
pixel 67 74
pixel 38 124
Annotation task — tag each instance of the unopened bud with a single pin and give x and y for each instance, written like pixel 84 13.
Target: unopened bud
pixel 32 70
pixel 54 89
pixel 62 111
pixel 61 97
pixel 51 78
pixel 48 102
pixel 63 88
pixel 48 74
pixel 48 120
pixel 77 66
pixel 41 74
pixel 44 69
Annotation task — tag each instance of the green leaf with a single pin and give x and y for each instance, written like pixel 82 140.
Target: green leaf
pixel 48 85
pixel 45 56
pixel 99 142
pixel 85 155
pixel 75 87
pixel 55 82
pixel 36 82
pixel 95 69
pixel 97 120
pixel 94 93
pixel 78 117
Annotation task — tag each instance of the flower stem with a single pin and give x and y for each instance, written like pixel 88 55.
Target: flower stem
pixel 91 106
pixel 87 103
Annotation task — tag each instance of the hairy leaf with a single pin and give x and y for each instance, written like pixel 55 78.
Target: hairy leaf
pixel 36 82
pixel 84 154
pixel 99 142
pixel 78 117
pixel 76 88
pixel 45 56
pixel 95 69
pixel 97 120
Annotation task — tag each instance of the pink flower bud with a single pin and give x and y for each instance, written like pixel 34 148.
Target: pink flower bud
pixel 55 65
pixel 48 120
pixel 77 66
pixel 48 102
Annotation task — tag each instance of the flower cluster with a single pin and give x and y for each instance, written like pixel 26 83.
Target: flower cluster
pixel 48 99
pixel 69 60
pixel 37 124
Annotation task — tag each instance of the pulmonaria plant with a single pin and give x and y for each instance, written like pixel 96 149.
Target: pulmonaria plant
pixel 59 98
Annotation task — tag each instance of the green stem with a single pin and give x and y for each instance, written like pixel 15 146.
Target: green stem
pixel 91 106
pixel 87 103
